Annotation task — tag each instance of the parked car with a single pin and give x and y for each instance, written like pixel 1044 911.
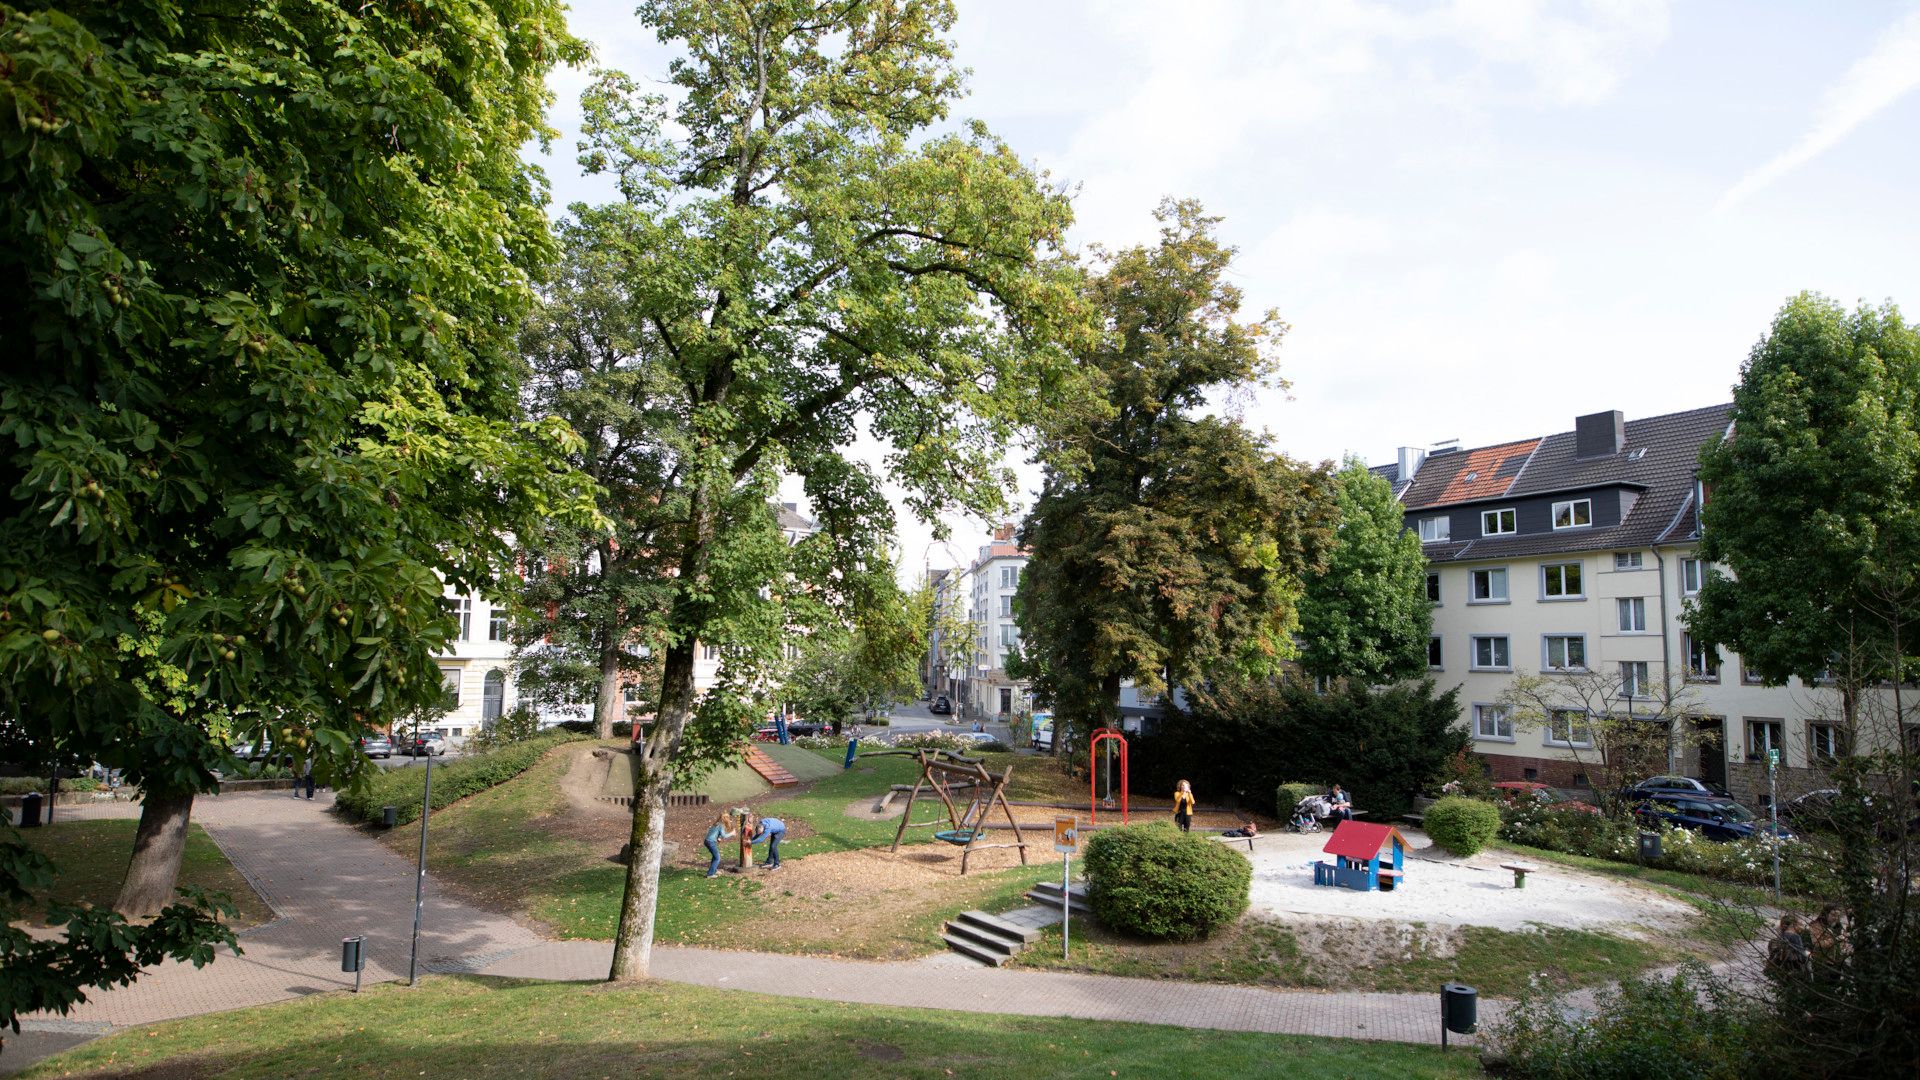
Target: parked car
pixel 1711 816
pixel 1514 792
pixel 1653 785
pixel 941 706
pixel 376 746
pixel 425 744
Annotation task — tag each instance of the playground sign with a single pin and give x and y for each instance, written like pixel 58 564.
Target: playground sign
pixel 1066 835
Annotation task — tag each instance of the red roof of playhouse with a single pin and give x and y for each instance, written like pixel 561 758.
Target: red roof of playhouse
pixel 1361 839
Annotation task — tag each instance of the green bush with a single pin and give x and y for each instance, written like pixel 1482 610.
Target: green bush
pixel 1691 1025
pixel 1462 826
pixel 1807 867
pixel 20 785
pixel 400 788
pixel 1290 793
pixel 1154 881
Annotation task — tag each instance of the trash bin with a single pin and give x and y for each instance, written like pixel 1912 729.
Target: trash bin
pixel 1459 1009
pixel 389 816
pixel 30 810
pixel 1649 847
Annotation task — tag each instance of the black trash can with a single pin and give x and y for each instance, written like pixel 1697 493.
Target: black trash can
pixel 389 816
pixel 1649 847
pixel 30 810
pixel 1459 1008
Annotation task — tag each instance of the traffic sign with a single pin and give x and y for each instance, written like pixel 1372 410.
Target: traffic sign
pixel 1773 758
pixel 1066 835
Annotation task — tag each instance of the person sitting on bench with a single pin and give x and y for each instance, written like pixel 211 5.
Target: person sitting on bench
pixel 1247 831
pixel 1341 803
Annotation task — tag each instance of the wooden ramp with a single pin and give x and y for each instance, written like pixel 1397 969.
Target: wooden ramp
pixel 772 771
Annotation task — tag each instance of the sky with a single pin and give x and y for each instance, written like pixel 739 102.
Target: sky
pixel 1480 218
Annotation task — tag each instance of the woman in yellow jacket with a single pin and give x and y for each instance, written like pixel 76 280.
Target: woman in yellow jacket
pixel 1183 806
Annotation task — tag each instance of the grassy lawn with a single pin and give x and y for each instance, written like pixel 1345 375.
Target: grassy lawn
pixel 91 859
pixel 468 1027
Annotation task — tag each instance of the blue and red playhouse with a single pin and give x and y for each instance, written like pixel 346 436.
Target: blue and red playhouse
pixel 1357 848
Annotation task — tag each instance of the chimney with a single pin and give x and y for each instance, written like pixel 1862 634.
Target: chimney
pixel 1599 435
pixel 1410 459
pixel 1003 534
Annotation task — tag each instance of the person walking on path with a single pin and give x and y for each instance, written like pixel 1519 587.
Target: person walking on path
pixel 771 829
pixel 716 833
pixel 305 779
pixel 1183 806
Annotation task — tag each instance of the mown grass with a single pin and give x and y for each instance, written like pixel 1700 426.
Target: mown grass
pixel 454 1027
pixel 1253 952
pixel 90 861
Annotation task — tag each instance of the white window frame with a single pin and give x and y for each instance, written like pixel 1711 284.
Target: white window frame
pixel 497 622
pixel 1631 614
pixel 1693 573
pixel 1500 651
pixel 1832 751
pixel 1511 520
pixel 1578 732
pixel 1571 506
pixel 1436 654
pixel 463 610
pixel 1547 574
pixel 1435 530
pixel 1501 718
pixel 1634 676
pixel 1006 607
pixel 709 652
pixel 1628 560
pixel 1009 577
pixel 1701 672
pixel 1473 580
pixel 450 677
pixel 1566 650
pixel 1776 737
pixel 1009 635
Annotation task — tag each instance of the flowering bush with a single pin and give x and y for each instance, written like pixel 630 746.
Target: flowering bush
pixel 1804 867
pixel 934 740
pixel 821 742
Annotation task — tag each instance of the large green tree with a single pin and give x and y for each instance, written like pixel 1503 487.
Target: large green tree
pixel 261 271
pixel 1168 545
pixel 808 263
pixel 1365 615
pixel 840 669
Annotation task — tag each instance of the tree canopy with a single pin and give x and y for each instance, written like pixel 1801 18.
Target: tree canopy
pixel 259 278
pixel 1365 615
pixel 1166 545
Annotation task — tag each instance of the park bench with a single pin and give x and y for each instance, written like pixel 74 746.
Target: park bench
pixel 1520 872
pixel 1225 839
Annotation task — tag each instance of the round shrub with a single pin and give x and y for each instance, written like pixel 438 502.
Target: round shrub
pixel 1462 826
pixel 1289 794
pixel 1154 881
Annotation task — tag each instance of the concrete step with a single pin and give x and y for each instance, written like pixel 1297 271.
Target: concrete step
pixel 1051 890
pixel 966 947
pixel 1076 904
pixel 989 940
pixel 1024 935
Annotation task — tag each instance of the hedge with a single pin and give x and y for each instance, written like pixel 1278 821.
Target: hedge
pixel 1807 867
pixel 1154 881
pixel 1289 794
pixel 1462 826
pixel 21 785
pixel 470 775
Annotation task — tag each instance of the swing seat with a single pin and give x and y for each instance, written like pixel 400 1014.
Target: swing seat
pixel 957 837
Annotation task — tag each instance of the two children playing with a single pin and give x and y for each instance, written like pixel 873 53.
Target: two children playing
pixel 772 830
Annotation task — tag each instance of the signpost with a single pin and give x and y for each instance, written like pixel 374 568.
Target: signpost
pixel 420 881
pixel 1066 841
pixel 1773 803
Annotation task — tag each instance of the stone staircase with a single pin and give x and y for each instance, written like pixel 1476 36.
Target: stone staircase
pixel 770 770
pixel 1048 893
pixel 987 938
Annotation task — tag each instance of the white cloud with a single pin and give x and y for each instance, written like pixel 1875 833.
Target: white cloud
pixel 1875 81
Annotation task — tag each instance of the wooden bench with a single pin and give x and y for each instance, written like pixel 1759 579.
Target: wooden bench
pixel 1520 872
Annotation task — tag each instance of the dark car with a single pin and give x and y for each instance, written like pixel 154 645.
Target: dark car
pixel 1684 785
pixel 1711 816
pixel 941 706
pixel 376 746
pixel 425 744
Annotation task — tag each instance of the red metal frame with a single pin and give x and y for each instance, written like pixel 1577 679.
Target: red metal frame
pixel 1093 775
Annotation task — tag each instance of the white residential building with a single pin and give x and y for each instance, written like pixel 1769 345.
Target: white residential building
pixel 478 670
pixel 994 577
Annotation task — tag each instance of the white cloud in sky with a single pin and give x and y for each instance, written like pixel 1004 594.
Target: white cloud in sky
pixel 1886 74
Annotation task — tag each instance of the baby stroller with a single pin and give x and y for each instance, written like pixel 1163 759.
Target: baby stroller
pixel 1307 814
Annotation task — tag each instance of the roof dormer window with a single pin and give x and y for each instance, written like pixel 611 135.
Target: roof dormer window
pixel 1575 514
pixel 1498 522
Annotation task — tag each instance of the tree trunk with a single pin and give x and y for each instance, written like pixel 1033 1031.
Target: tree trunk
pixel 158 845
pixel 633 940
pixel 608 701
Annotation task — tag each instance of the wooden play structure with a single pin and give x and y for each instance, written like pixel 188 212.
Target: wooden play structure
pixel 1357 847
pixel 945 771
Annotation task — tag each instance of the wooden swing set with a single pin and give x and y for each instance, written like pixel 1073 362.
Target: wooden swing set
pixel 941 768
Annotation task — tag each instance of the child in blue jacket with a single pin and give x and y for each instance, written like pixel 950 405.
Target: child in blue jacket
pixel 771 829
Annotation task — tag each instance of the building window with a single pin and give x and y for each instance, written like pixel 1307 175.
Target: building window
pixel 1009 635
pixel 1827 743
pixel 1750 676
pixel 1561 581
pixel 1633 679
pixel 1576 514
pixel 1436 530
pixel 1488 586
pixel 1009 577
pixel 1496 522
pixel 709 652
pixel 1433 652
pixel 1626 560
pixel 457 732
pixel 1703 660
pixel 497 623
pixel 1568 727
pixel 630 694
pixel 1633 614
pixel 1762 736
pixel 1566 652
pixel 1690 574
pixel 463 610
pixel 450 678
pixel 1492 722
pixel 1490 654
pixel 493 696
pixel 1006 607
pixel 1006 700
pixel 1433 586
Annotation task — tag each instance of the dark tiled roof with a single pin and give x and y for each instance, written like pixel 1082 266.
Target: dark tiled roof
pixel 1469 474
pixel 1661 455
pixel 790 519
